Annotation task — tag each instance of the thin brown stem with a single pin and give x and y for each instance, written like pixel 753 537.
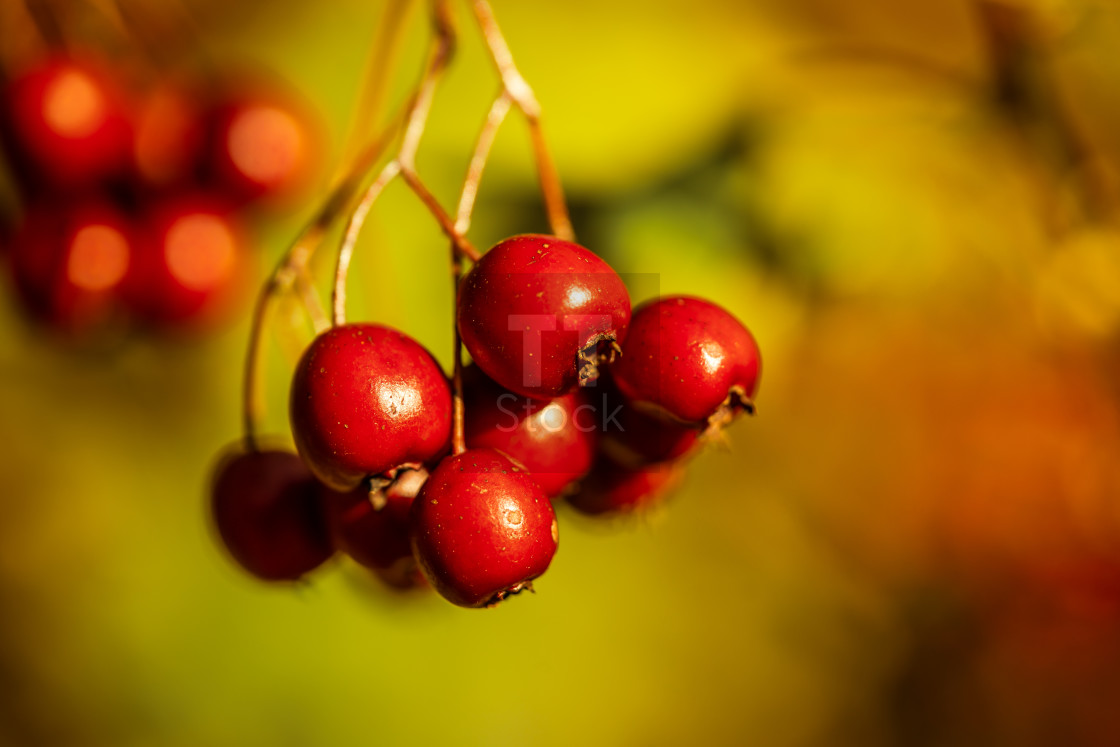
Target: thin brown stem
pixel 404 164
pixel 494 119
pixel 350 238
pixel 312 302
pixel 523 96
pixel 498 111
pixel 458 408
pixel 292 270
pixel 462 244
pixel 382 61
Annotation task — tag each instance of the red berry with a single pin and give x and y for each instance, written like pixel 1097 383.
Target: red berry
pixel 555 439
pixel 265 508
pixel 191 262
pixel 68 261
pixel 482 529
pixel 537 313
pixel 367 400
pixel 261 143
pixel 689 360
pixel 66 123
pixel 375 536
pixel 170 135
pixel 614 489
pixel 635 438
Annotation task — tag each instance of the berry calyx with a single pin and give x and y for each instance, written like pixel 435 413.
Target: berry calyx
pixel 554 439
pixel 482 529
pixel 372 526
pixel 266 510
pixel 688 360
pixel 367 400
pixel 538 314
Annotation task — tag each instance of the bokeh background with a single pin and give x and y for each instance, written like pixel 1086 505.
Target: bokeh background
pixel 915 542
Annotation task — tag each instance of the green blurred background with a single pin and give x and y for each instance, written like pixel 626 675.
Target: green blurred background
pixel 915 542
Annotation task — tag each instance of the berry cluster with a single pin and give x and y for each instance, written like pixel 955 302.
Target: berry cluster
pixel 135 187
pixel 569 398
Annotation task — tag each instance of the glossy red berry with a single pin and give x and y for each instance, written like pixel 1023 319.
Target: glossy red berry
pixel 689 360
pixel 482 529
pixel 192 262
pixel 266 511
pixel 66 123
pixel 537 314
pixel 554 439
pixel 613 489
pixel 68 261
pixel 366 400
pixel 373 529
pixel 261 143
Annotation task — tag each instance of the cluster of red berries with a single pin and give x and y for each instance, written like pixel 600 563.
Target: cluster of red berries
pixel 569 398
pixel 134 193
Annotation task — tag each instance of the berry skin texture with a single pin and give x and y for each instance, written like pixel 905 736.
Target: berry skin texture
pixel 266 511
pixel 688 360
pixel 365 401
pixel 66 123
pixel 537 313
pixel 482 528
pixel 555 439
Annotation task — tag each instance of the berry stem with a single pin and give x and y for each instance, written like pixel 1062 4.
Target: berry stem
pixel 403 164
pixel 292 271
pixel 494 119
pixel 522 95
pixel 458 407
pixel 46 23
pixel 498 111
pixel 382 61
pixel 350 238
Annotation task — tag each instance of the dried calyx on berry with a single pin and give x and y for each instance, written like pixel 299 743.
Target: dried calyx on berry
pixel 482 529
pixel 371 524
pixel 690 361
pixel 539 315
pixel 365 401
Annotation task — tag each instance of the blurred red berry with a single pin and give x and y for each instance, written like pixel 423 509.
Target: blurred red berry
pixel 192 262
pixel 265 508
pixel 261 144
pixel 613 489
pixel 66 124
pixel 68 261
